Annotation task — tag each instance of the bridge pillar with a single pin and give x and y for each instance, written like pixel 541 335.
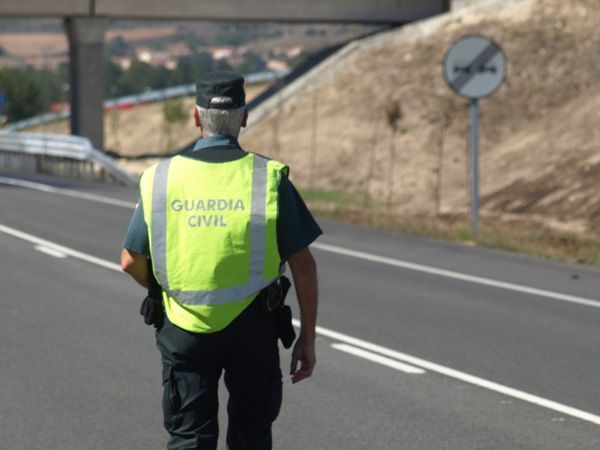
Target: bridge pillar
pixel 86 71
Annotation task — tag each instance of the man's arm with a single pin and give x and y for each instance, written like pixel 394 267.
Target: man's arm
pixel 136 265
pixel 304 272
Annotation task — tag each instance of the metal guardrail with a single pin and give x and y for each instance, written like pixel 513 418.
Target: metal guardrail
pixel 38 120
pixel 139 99
pixel 50 152
pixel 52 148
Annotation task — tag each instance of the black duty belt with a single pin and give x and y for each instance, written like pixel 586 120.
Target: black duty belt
pixel 272 297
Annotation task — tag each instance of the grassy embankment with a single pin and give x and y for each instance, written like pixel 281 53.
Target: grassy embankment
pixel 517 234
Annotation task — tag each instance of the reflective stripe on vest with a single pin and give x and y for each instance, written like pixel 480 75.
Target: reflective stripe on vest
pixel 257 240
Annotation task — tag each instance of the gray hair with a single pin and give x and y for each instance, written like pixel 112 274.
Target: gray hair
pixel 221 121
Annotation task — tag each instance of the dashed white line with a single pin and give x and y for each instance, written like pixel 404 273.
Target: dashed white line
pixel 345 251
pixel 50 251
pixel 394 364
pixel 458 375
pixel 59 248
pixel 403 357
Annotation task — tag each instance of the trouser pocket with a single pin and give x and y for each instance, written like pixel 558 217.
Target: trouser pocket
pixel 275 394
pixel 171 399
pixel 190 404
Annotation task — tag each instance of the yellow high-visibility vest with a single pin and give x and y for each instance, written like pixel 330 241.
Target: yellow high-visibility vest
pixel 213 235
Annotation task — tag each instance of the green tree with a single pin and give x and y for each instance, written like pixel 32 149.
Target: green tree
pixel 191 67
pixel 174 113
pixel 161 78
pixel 182 74
pixel 139 77
pixel 253 62
pixel 222 65
pixel 117 47
pixel 201 63
pixel 113 74
pixel 51 84
pixel 24 94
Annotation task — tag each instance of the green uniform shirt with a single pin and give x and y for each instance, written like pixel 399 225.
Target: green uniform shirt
pixel 296 227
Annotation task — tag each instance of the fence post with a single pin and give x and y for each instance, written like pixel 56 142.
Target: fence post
pixel 393 112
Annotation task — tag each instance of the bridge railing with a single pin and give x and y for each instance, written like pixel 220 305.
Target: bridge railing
pixel 59 154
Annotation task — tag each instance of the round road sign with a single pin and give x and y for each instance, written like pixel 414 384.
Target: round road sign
pixel 475 66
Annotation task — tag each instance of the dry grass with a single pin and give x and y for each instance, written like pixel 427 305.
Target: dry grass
pixel 540 153
pixel 540 164
pixel 517 234
pixel 141 130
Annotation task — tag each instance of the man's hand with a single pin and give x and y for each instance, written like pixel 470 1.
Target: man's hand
pixel 304 271
pixel 304 352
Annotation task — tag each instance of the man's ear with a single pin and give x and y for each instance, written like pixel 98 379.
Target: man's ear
pixel 197 118
pixel 245 119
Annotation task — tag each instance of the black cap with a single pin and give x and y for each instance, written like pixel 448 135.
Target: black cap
pixel 221 83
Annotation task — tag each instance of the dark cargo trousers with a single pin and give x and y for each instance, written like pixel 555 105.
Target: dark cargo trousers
pixel 247 352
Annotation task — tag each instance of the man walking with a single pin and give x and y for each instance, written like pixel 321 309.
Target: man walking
pixel 218 224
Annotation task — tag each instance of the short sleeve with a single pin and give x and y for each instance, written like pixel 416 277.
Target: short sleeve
pixel 136 238
pixel 296 227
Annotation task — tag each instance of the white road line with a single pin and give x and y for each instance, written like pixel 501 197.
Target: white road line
pixel 389 362
pixel 66 192
pixel 346 252
pixel 428 365
pixel 50 251
pixel 458 375
pixel 457 275
pixel 60 248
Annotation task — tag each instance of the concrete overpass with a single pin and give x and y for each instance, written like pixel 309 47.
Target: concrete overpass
pixel 86 21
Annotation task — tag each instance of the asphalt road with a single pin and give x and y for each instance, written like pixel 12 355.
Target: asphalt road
pixel 493 364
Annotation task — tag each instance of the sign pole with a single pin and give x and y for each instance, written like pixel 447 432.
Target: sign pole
pixel 474 166
pixel 475 67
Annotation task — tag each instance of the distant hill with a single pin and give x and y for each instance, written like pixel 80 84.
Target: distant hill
pixel 260 36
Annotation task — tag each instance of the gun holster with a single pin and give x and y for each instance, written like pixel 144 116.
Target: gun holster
pixel 152 306
pixel 285 328
pixel 274 302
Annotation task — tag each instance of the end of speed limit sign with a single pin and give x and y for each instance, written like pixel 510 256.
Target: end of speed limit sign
pixel 475 66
